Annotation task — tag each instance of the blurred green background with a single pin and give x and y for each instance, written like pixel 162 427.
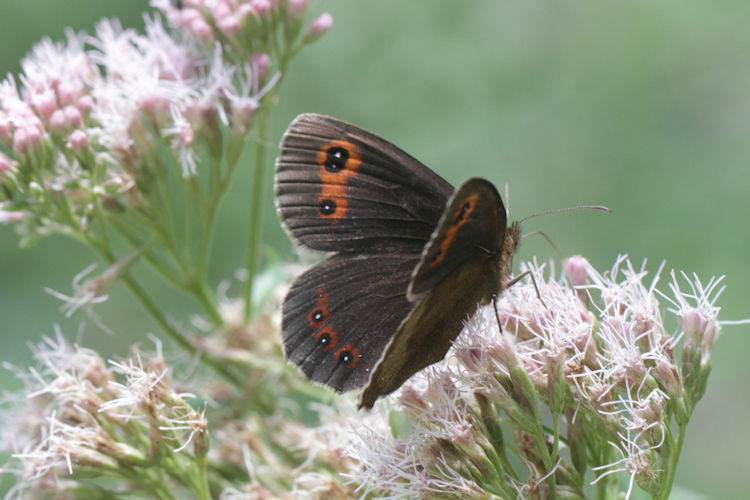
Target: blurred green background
pixel 642 106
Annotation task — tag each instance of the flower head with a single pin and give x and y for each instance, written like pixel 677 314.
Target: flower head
pixel 83 414
pixel 597 355
pixel 89 118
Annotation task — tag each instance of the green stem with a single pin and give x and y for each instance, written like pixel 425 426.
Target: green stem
pixel 256 206
pixel 552 480
pixel 203 489
pixel 156 264
pixel 676 449
pixel 142 297
pixel 196 287
pixel 607 487
pixel 157 315
pixel 159 489
pixel 208 222
pixel 203 294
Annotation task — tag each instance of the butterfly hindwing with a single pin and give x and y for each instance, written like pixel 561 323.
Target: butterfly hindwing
pixel 472 226
pixel 428 331
pixel 342 188
pixel 339 315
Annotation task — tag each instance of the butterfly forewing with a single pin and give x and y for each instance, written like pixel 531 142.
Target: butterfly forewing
pixel 472 226
pixel 459 269
pixel 339 315
pixel 340 188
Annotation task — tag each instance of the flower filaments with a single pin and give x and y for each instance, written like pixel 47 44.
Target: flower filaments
pixel 123 419
pixel 580 377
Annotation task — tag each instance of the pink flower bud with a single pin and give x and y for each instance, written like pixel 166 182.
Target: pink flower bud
pixel 296 8
pixel 652 408
pixel 243 11
pixel 411 397
pixel 229 25
pixel 78 140
pixel 185 135
pixel 57 121
pixel 20 140
pixel 260 63
pixel 261 7
pixel 6 130
pixel 6 165
pixel 576 267
pixel 154 105
pixel 34 137
pixel 72 117
pixel 242 112
pixel 201 29
pixel 471 358
pixel 693 323
pixel 186 17
pixel 68 92
pixel 85 104
pixel 667 375
pixel 220 11
pixel 599 395
pixel 44 103
pixel 503 351
pixel 709 336
pixel 318 27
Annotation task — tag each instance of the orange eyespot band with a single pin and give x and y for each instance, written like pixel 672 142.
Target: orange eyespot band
pixel 348 350
pixel 460 218
pixel 338 161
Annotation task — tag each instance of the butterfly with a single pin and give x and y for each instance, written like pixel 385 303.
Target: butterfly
pixel 411 257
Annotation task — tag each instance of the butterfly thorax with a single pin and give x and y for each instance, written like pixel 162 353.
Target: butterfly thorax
pixel 510 244
pixel 512 238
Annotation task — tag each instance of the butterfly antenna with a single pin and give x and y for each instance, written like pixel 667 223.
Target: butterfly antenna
pixel 568 209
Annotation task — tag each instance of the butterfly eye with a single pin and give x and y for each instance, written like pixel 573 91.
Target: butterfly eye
pixel 348 356
pixel 327 207
pixel 336 158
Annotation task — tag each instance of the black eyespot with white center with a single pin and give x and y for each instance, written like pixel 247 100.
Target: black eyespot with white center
pixel 327 206
pixel 346 357
pixel 336 158
pixel 324 340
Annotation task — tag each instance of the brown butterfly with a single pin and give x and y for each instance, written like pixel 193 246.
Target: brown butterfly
pixel 412 258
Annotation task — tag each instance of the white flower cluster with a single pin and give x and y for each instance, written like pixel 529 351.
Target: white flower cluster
pixel 88 119
pixel 583 373
pixel 80 414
